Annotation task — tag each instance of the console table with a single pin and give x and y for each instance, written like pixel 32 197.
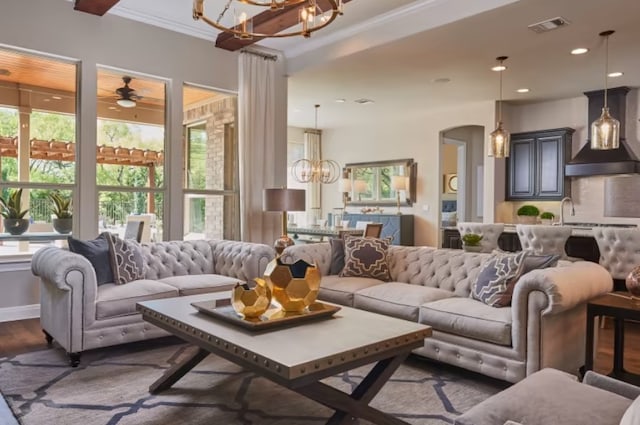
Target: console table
pixel 398 227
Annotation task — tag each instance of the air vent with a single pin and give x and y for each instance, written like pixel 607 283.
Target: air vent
pixel 549 25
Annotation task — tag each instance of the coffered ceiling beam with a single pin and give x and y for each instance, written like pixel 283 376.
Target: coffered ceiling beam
pixel 267 22
pixel 95 7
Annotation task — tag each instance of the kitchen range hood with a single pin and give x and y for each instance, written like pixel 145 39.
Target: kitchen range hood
pixel 589 162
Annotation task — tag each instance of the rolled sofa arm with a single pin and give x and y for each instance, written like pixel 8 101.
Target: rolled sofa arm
pixel 57 266
pixel 564 287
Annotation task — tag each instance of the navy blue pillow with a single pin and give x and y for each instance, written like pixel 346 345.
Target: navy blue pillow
pixel 97 252
pixel 337 256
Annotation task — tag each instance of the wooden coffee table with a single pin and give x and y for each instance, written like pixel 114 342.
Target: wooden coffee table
pixel 297 357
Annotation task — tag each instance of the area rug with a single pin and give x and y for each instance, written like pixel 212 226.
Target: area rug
pixel 111 387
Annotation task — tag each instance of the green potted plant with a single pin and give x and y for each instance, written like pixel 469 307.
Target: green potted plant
pixel 528 214
pixel 62 210
pixel 11 210
pixel 471 242
pixel 547 217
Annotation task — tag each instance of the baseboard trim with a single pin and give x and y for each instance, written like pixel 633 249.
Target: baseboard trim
pixel 8 314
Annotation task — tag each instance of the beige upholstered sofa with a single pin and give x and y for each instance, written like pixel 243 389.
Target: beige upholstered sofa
pixel 81 315
pixel 544 327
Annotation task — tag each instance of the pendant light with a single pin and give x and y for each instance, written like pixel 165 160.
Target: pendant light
pixel 499 139
pixel 605 131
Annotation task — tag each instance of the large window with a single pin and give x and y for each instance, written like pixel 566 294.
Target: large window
pixel 211 202
pixel 130 152
pixel 37 139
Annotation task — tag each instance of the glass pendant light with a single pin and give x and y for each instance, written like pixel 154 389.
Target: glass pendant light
pixel 605 131
pixel 499 139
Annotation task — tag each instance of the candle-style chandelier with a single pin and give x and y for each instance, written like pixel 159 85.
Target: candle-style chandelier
pixel 311 17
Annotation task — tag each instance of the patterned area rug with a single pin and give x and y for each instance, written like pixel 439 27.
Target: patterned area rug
pixel 111 387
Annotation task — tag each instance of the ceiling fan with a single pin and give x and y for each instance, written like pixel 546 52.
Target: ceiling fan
pixel 126 95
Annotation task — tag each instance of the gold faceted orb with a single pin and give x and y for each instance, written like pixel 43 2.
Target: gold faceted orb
pixel 251 302
pixel 294 286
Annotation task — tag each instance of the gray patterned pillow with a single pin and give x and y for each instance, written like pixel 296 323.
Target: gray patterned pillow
pixel 366 257
pixel 127 261
pixel 497 278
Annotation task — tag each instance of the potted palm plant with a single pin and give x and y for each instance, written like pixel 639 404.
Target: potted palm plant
pixel 471 242
pixel 11 210
pixel 62 210
pixel 528 214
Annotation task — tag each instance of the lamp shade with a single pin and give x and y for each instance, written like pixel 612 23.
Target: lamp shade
pixel 621 196
pixel 359 186
pixel 281 199
pixel 344 185
pixel 398 183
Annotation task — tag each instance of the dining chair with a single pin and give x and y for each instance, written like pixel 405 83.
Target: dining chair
pixel 372 230
pixel 134 230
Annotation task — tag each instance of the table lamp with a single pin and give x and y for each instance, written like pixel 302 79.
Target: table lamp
pixel 360 187
pixel 344 186
pixel 283 200
pixel 398 183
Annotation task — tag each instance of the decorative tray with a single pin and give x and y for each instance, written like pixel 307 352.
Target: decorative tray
pixel 274 317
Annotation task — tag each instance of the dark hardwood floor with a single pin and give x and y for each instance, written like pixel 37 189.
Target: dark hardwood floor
pixel 25 336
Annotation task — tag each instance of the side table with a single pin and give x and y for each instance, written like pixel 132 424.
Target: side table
pixel 619 306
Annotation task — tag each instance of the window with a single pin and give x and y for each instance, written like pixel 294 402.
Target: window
pixel 211 181
pixel 130 152
pixel 37 139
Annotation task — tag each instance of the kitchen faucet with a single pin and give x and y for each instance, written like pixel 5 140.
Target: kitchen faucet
pixel 573 211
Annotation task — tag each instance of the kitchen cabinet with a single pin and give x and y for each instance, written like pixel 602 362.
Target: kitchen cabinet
pixel 535 167
pixel 398 227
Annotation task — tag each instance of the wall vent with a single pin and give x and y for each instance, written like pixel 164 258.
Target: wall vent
pixel 549 25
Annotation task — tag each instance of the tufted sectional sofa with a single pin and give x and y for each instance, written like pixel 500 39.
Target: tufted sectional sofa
pixel 81 315
pixel 544 327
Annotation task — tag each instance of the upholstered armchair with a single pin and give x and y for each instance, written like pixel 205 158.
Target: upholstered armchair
pixel 490 233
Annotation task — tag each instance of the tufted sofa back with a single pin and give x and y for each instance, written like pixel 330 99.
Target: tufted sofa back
pixel 177 258
pixel 240 260
pixel 543 240
pixel 449 269
pixel 619 249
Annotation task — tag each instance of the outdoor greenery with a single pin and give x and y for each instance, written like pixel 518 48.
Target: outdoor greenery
pixel 11 206
pixel 471 239
pixel 529 210
pixel 114 206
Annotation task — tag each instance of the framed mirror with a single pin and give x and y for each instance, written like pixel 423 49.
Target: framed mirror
pixel 378 183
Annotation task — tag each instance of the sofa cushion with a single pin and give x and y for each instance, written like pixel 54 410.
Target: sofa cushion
pixel 548 397
pixel 469 318
pixel 97 252
pixel 201 283
pixel 498 276
pixel 120 300
pixel 366 257
pixel 340 290
pixel 127 261
pixel 397 299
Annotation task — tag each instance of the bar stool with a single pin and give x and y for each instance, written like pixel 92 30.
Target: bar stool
pixel 544 240
pixel 489 232
pixel 619 250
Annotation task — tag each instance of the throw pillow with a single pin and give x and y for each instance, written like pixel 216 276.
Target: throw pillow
pixel 632 414
pixel 533 262
pixel 366 257
pixel 127 261
pixel 337 256
pixel 97 252
pixel 497 277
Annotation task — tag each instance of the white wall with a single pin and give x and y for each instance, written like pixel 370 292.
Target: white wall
pixel 586 192
pixel 415 134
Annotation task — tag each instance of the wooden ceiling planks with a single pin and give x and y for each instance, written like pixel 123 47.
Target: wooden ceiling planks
pixel 56 150
pixel 267 22
pixel 94 7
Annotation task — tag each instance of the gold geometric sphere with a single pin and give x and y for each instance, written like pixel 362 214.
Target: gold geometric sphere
pixel 294 286
pixel 251 302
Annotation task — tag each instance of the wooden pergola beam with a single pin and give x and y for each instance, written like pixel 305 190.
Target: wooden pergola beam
pixel 94 7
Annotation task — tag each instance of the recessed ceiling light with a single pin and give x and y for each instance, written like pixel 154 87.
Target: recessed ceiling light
pixel 364 101
pixel 498 68
pixel 579 51
pixel 56 97
pixel 442 80
pixel 615 74
pixel 341 100
pixel 46 100
pixel 523 90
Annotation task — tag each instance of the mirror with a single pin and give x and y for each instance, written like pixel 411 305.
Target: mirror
pixel 378 183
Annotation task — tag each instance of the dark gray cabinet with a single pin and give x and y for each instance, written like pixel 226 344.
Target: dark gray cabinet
pixel 398 227
pixel 535 167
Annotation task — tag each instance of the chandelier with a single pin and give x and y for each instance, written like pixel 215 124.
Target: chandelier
pixel 499 138
pixel 310 17
pixel 605 131
pixel 316 170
